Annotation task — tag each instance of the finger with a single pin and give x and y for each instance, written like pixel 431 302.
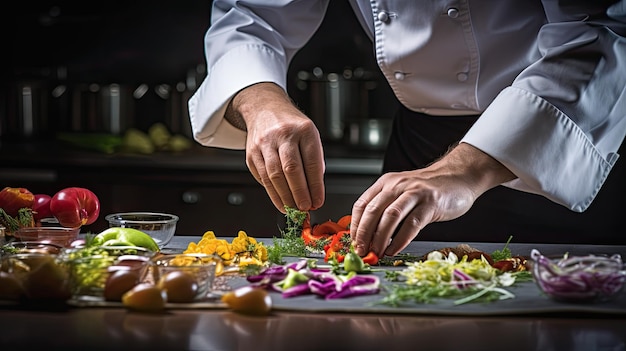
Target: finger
pixel 419 217
pixel 276 181
pixel 367 223
pixel 257 166
pixel 357 212
pixel 253 170
pixel 275 198
pixel 391 218
pixel 314 168
pixel 293 174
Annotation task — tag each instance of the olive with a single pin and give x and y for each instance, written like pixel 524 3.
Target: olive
pixel 145 297
pixel 119 282
pixel 248 300
pixel 179 286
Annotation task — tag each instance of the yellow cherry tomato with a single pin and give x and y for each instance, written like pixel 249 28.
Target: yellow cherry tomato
pixel 249 300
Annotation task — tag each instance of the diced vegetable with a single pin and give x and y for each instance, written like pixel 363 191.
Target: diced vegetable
pixel 299 278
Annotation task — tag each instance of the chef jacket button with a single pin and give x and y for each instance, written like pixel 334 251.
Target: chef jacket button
pixel 399 75
pixel 383 16
pixel 453 12
pixel 461 77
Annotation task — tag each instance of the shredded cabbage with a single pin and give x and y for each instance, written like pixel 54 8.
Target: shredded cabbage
pixel 440 270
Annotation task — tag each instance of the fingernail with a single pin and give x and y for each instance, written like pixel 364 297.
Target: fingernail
pixel 304 206
pixel 359 250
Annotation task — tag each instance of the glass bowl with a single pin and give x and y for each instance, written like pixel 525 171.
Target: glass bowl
pixel 90 267
pixel 185 277
pixel 61 236
pixel 589 278
pixel 160 226
pixel 30 246
pixel 40 276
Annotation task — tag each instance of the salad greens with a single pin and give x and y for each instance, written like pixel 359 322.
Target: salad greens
pixel 448 276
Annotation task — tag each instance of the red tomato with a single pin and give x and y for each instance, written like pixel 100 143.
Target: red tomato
pixel 74 207
pixel 41 207
pixel 13 199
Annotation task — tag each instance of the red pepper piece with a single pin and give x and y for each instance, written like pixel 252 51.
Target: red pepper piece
pixel 327 228
pixel 344 221
pixel 371 258
pixel 307 232
pixel 338 246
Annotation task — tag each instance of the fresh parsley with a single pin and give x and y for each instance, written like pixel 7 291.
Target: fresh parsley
pixel 499 255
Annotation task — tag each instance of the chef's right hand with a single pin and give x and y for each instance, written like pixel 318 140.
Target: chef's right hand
pixel 283 146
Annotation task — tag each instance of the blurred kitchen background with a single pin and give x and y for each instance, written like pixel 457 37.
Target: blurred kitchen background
pixel 96 96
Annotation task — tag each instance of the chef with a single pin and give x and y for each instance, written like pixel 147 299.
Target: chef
pixel 511 120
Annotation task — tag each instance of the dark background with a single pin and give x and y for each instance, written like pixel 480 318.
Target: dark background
pixel 77 44
pixel 156 42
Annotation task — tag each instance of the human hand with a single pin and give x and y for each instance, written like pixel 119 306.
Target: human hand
pixel 410 200
pixel 283 147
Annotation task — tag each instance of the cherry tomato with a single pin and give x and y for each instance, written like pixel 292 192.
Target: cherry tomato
pixel 74 207
pixel 179 286
pixel 145 297
pixel 119 282
pixel 249 300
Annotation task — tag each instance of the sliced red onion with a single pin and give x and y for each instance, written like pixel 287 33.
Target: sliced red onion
pixel 462 280
pixel 296 290
pixel 580 277
pixel 322 282
pixel 322 288
pixel 356 290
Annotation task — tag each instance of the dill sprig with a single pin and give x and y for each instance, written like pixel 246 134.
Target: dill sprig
pixel 290 243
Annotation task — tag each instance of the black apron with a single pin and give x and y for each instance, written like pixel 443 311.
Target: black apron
pixel 418 139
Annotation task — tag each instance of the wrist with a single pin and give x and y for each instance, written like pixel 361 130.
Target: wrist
pixel 479 169
pixel 251 101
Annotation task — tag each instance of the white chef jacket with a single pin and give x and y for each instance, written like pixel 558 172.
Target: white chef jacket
pixel 548 77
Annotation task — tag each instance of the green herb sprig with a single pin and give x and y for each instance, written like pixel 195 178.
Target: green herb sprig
pixel 499 255
pixel 290 243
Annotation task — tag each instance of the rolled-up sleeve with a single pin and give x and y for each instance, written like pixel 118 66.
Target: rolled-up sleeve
pixel 248 42
pixel 559 125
